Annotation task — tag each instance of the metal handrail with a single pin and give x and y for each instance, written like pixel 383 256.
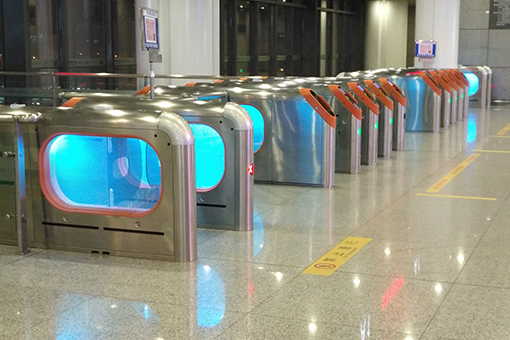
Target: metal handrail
pixel 151 76
pixel 115 75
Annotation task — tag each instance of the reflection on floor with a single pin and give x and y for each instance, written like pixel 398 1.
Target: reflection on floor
pixel 436 268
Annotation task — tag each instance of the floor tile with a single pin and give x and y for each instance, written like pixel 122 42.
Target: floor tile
pixel 399 259
pixel 256 327
pixel 392 304
pixel 472 313
pixel 103 318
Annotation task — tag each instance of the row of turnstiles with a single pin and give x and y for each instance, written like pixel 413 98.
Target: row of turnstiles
pixel 124 174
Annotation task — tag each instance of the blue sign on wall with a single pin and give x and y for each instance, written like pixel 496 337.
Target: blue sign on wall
pixel 425 49
pixel 150 29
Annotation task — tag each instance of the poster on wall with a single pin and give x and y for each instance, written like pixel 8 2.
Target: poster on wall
pixel 500 15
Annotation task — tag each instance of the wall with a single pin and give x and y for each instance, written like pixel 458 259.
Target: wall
pixel 480 45
pixel 189 38
pixel 386 40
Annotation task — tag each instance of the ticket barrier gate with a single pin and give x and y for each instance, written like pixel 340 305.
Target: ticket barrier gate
pixel 346 109
pixel 296 130
pixel 392 114
pixel 446 99
pixel 223 135
pixel 423 100
pixel 385 134
pixel 455 95
pixel 369 123
pixel 98 182
pixel 348 130
pixel 465 84
pixel 399 113
pixel 461 93
pixel 478 83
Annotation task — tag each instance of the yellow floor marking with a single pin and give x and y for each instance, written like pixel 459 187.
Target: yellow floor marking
pixel 452 174
pixel 337 256
pixel 504 130
pixel 463 197
pixel 501 136
pixel 492 151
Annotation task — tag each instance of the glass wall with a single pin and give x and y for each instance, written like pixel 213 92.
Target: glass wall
pixel 80 36
pixel 278 37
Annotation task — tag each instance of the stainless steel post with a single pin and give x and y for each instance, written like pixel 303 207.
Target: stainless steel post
pixel 152 75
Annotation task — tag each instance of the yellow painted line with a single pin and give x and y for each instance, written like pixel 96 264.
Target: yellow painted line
pixel 492 151
pixel 462 197
pixel 504 130
pixel 337 256
pixel 452 174
pixel 501 136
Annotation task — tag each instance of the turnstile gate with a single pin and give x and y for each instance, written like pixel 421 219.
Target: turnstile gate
pixel 224 155
pixel 117 183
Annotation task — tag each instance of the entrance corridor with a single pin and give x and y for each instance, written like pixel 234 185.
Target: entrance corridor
pixel 435 265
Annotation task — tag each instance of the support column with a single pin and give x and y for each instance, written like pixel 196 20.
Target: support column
pixel 386 39
pixel 189 34
pixel 439 20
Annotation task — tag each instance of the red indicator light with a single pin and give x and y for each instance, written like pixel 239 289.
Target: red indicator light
pixel 251 169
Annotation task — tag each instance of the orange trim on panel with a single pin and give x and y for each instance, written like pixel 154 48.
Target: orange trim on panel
pixel 380 95
pixel 72 102
pixel 453 75
pixel 449 80
pixel 320 105
pixel 461 76
pixel 190 84
pixel 394 90
pixel 365 98
pixel 347 100
pixel 52 197
pixel 441 81
pixel 218 81
pixel 243 79
pixel 430 82
pixel 145 90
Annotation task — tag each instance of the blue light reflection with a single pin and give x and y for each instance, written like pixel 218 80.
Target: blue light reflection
pixel 471 129
pixel 258 234
pixel 211 297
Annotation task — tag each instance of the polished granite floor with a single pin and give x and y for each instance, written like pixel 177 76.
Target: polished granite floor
pixel 436 268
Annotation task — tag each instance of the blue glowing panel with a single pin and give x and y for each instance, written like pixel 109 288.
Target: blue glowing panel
pixel 209 98
pixel 104 172
pixel 209 156
pixel 211 297
pixel 258 126
pixel 474 83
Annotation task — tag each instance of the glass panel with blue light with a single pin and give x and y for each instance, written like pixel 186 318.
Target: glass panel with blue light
pixel 104 172
pixel 209 156
pixel 258 125
pixel 474 83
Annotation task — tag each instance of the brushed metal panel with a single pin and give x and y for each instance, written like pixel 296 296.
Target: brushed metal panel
pixel 298 144
pixel 348 141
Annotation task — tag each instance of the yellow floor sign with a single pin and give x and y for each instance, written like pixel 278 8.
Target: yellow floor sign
pixel 337 256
